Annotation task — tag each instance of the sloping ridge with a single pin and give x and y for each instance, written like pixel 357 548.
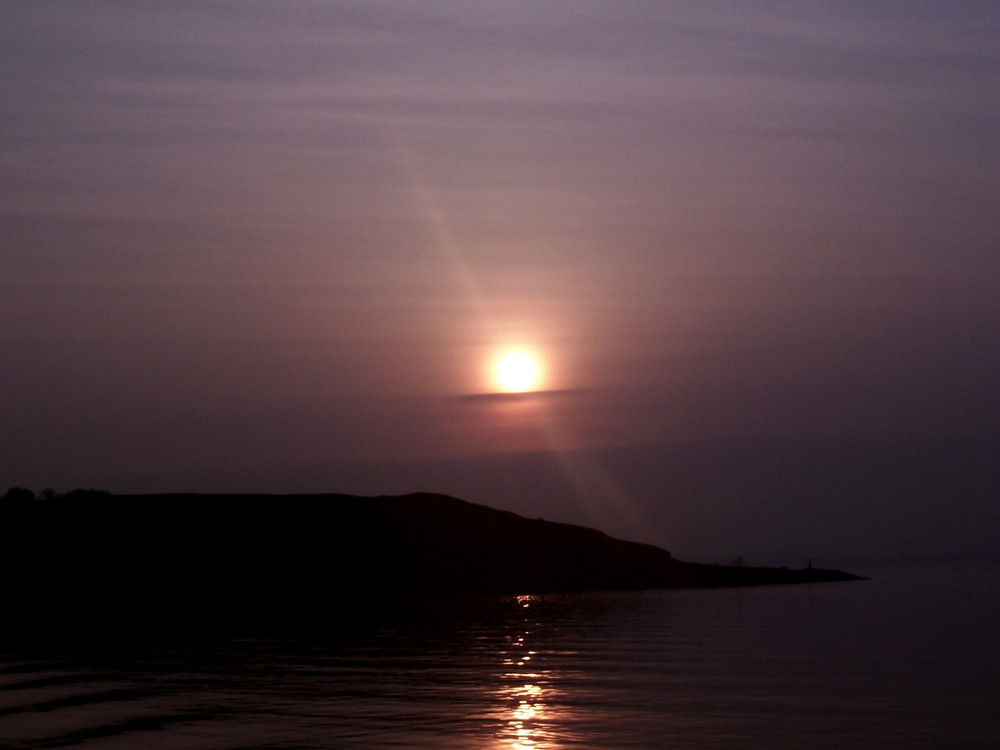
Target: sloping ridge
pixel 255 551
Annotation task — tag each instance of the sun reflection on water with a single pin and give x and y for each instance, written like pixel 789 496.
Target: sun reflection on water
pixel 526 704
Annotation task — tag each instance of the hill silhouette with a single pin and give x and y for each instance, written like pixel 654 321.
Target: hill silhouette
pixel 175 553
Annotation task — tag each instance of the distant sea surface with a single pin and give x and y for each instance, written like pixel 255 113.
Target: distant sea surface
pixel 906 660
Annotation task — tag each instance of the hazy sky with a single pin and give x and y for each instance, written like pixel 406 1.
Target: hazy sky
pixel 275 246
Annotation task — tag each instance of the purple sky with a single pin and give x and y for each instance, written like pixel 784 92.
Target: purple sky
pixel 273 246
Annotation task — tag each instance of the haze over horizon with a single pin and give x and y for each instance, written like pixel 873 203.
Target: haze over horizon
pixel 276 247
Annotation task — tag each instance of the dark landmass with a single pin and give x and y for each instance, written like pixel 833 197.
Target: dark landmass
pixel 89 553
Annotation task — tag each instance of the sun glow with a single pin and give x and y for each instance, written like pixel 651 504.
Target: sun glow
pixel 517 372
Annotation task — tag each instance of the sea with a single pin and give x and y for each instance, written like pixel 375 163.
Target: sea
pixel 907 659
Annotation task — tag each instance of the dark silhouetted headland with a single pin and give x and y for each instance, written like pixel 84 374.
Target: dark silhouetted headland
pixel 89 552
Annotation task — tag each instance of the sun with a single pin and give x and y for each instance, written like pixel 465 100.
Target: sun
pixel 516 372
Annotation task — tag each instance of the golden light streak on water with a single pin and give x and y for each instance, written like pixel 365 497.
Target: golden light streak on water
pixel 526 698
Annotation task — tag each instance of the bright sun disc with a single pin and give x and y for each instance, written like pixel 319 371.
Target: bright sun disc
pixel 516 372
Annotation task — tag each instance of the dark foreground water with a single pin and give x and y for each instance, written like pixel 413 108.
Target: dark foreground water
pixel 908 660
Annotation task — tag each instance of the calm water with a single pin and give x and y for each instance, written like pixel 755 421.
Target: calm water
pixel 908 660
